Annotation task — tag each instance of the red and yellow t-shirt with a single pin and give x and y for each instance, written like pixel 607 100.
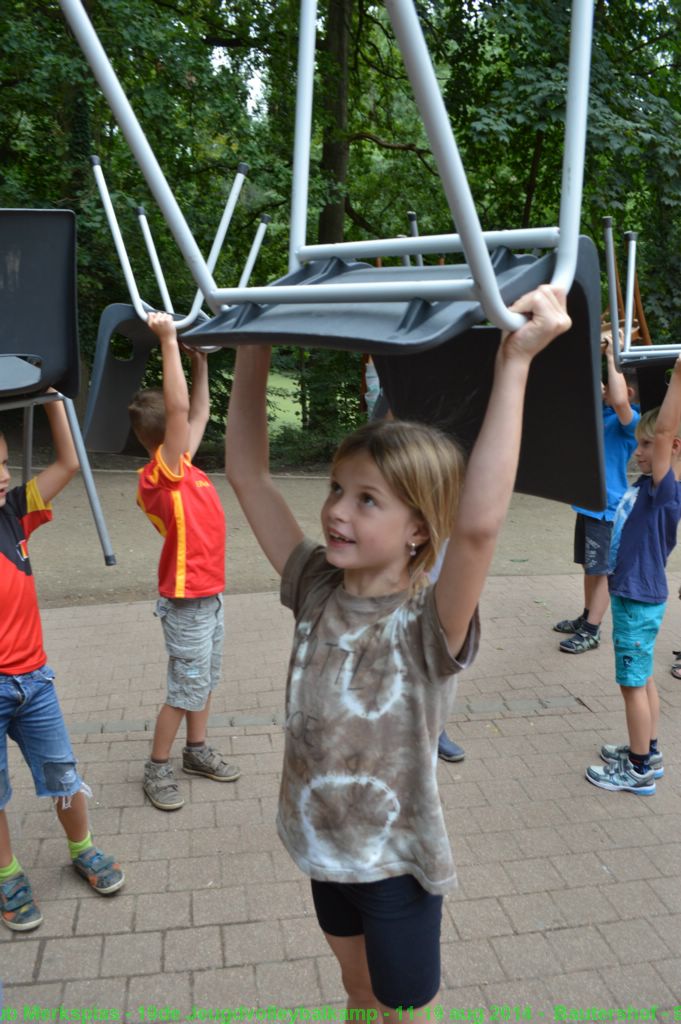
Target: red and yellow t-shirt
pixel 186 511
pixel 21 635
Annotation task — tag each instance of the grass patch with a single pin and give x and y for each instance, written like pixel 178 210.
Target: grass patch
pixel 283 404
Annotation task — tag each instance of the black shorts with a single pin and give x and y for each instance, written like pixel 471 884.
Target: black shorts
pixel 592 544
pixel 400 923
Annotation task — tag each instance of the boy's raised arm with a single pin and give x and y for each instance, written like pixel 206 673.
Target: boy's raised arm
pixel 247 459
pixel 493 464
pixel 199 402
pixel 53 479
pixel 618 390
pixel 175 391
pixel 667 425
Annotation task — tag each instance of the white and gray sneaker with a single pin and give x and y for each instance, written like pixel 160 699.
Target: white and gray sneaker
pixel 620 776
pixel 612 754
pixel 161 786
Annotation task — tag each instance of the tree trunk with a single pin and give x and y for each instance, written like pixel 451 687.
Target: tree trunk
pixel 334 162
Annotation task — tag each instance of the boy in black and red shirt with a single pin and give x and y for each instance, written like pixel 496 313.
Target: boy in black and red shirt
pixel 29 708
pixel 184 506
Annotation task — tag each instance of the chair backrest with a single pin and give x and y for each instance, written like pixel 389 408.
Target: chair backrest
pixel 449 386
pixel 38 306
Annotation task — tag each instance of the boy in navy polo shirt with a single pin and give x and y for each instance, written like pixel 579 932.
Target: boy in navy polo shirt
pixel 593 529
pixel 644 534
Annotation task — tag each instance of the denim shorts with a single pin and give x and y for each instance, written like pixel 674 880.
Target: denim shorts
pixel 194 631
pixel 400 922
pixel 592 544
pixel 635 626
pixel 30 715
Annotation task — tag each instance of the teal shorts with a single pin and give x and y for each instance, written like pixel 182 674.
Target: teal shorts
pixel 635 626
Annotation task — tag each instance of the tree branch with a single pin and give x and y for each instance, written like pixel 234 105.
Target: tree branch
pixel 405 147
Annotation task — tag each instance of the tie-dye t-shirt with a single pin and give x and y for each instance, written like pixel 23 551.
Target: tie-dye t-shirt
pixel 370 685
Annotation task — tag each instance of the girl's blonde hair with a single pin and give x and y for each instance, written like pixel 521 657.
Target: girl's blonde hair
pixel 423 467
pixel 148 417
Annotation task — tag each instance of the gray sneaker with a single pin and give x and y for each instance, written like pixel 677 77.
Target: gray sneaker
pixel 621 777
pixel 612 754
pixel 209 763
pixel 161 788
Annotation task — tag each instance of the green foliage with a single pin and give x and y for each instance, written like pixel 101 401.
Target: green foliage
pixel 189 68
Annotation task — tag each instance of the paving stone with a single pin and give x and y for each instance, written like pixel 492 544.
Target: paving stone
pixel 302 938
pixel 577 949
pixel 577 989
pixel 18 996
pixel 227 905
pixel 106 915
pixel 641 982
pixel 589 905
pixel 477 880
pixel 524 956
pixel 472 963
pixel 514 1002
pixel 477 919
pixel 292 983
pixel 286 899
pixel 19 958
pixel 532 912
pixel 71 958
pixel 228 986
pixel 104 993
pixel 160 990
pixel 131 954
pixel 192 948
pixel 533 875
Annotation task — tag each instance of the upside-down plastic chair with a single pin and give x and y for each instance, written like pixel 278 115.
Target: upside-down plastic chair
pixel 115 378
pixel 38 328
pixel 648 361
pixel 329 299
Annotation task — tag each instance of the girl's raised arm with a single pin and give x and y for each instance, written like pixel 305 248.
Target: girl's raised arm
pixel 493 464
pixel 247 459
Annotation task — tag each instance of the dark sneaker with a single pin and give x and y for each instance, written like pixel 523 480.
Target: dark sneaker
pixel 613 755
pixel 161 787
pixel 569 625
pixel 448 750
pixel 621 777
pixel 580 642
pixel 207 762
pixel 18 910
pixel 102 872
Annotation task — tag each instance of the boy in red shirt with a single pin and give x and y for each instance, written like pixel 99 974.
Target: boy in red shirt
pixel 184 507
pixel 29 708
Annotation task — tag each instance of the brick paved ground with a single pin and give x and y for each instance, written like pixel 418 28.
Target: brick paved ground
pixel 568 895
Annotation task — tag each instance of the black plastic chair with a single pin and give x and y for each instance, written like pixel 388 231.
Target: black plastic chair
pixel 39 327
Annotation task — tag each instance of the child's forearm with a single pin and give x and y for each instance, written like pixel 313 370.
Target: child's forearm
pixel 669 415
pixel 65 450
pixel 246 438
pixel 617 385
pixel 175 391
pixel 199 402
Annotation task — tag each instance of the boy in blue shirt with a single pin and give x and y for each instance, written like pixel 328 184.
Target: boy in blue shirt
pixel 593 529
pixel 644 534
